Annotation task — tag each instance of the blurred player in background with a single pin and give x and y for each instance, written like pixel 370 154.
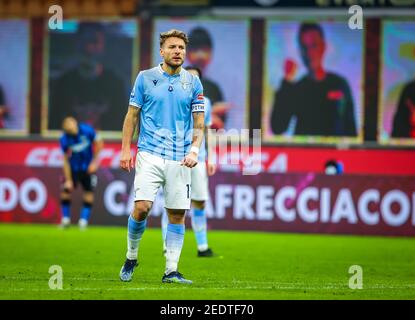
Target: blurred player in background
pixel 81 148
pixel 199 54
pixel 319 92
pixel 200 190
pixel 163 101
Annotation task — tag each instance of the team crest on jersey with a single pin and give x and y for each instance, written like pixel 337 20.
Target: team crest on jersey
pixel 186 85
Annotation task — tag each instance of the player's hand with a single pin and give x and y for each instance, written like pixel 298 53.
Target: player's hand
pixel 190 160
pixel 126 161
pixel 211 169
pixel 92 168
pixel 290 69
pixel 68 185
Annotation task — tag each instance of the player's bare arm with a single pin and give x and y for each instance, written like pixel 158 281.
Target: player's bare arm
pixel 190 160
pixel 130 123
pixel 67 173
pixel 210 149
pixel 98 146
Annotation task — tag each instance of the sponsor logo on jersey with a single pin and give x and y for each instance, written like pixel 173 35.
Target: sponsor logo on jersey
pixel 81 146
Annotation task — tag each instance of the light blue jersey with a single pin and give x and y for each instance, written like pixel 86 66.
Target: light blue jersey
pixel 167 103
pixel 208 122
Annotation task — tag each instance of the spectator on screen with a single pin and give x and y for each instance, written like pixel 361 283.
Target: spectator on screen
pixel 333 167
pixel 90 91
pixel 404 119
pixel 320 103
pixel 4 111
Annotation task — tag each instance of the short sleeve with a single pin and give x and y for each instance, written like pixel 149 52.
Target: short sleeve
pixel 198 101
pixel 137 93
pixel 208 112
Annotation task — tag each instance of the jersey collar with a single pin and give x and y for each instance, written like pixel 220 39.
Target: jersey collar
pixel 160 69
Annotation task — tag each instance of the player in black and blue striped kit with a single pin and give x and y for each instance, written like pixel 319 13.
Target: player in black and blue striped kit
pixel 81 148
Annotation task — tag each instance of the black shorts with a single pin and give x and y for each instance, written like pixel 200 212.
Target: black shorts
pixel 87 181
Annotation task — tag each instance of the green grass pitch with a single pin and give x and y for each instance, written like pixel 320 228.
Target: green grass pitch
pixel 249 265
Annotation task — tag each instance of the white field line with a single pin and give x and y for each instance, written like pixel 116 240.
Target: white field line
pixel 271 284
pixel 166 287
pixel 174 288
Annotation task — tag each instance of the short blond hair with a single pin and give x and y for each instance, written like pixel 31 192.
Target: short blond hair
pixel 173 33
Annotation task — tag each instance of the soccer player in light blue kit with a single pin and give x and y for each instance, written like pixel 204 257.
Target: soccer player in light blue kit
pixel 164 101
pixel 200 187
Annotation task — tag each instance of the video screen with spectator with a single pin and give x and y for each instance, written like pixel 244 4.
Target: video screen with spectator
pixel 397 85
pixel 220 49
pixel 14 79
pixel 313 82
pixel 91 67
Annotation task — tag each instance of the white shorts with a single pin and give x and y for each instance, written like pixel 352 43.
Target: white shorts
pixel 152 172
pixel 200 191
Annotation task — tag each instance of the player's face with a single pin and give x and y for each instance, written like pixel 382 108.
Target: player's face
pixel 312 49
pixel 173 52
pixel 200 57
pixel 94 44
pixel 93 47
pixel 70 126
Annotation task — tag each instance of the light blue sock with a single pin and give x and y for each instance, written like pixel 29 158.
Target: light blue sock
pixel 135 232
pixel 86 211
pixel 174 244
pixel 164 223
pixel 199 225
